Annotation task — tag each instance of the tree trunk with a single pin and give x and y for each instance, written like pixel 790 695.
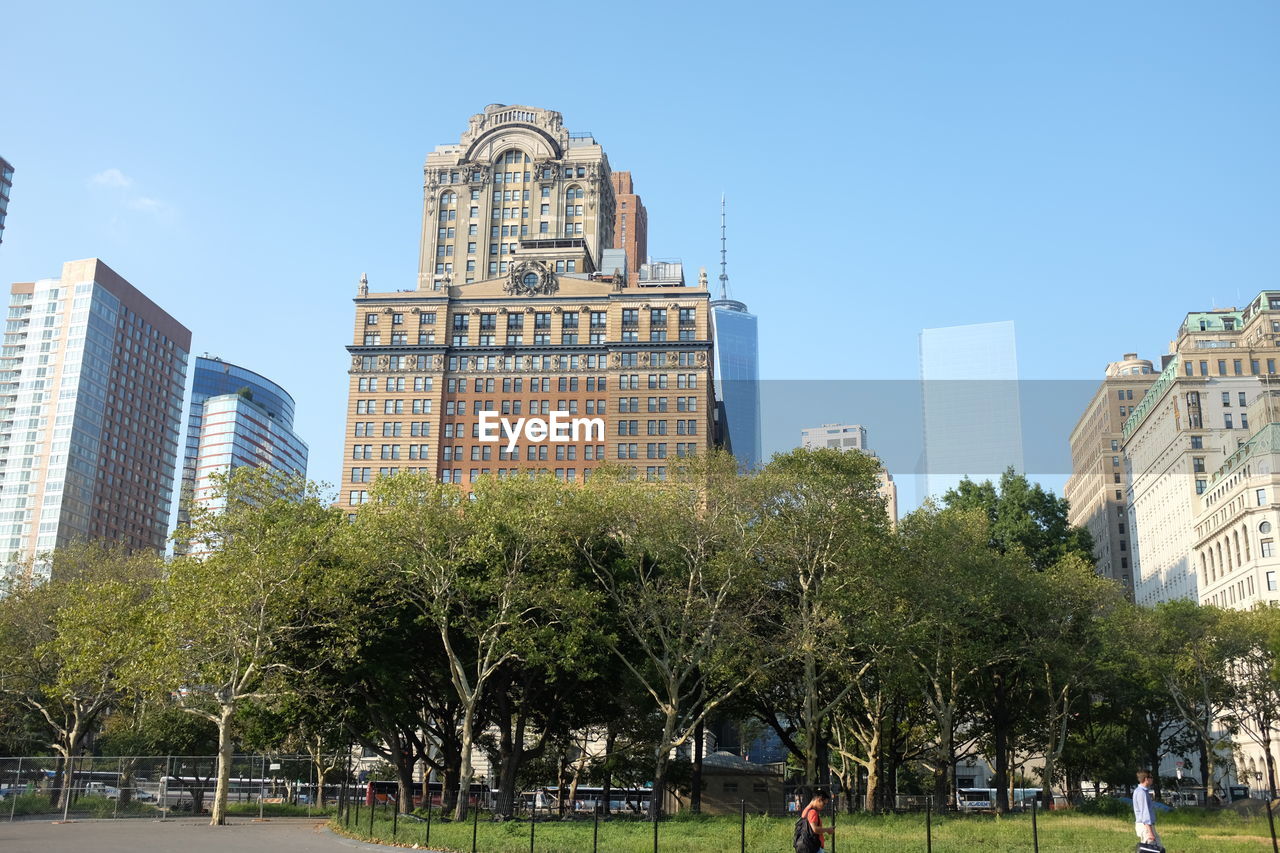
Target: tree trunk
pixel 810 723
pixel 871 797
pixel 466 772
pixel 1271 764
pixel 660 758
pixel 610 740
pixel 404 781
pixel 942 791
pixel 449 787
pixel 218 813
pixel 695 776
pixel 1000 738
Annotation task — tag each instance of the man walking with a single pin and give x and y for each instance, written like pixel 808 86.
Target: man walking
pixel 1144 810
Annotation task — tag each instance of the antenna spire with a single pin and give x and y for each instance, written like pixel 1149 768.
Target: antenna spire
pixel 724 275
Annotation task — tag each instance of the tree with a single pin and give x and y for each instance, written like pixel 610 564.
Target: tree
pixel 73 643
pixel 1196 646
pixel 481 570
pixel 255 580
pixel 676 563
pixel 1024 516
pixel 822 533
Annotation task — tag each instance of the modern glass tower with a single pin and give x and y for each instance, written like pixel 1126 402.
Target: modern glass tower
pixel 91 383
pixel 737 378
pixel 972 416
pixel 736 345
pixel 215 378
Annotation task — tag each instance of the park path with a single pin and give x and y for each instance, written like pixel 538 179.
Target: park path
pixel 176 836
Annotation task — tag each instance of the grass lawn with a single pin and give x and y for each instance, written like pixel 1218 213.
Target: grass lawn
pixel 1185 831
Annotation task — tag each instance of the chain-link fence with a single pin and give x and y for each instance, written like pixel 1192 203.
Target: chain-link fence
pixel 159 786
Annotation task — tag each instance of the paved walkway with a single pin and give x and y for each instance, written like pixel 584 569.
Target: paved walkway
pixel 181 836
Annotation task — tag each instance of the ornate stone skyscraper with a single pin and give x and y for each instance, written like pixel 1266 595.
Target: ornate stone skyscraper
pixel 517 318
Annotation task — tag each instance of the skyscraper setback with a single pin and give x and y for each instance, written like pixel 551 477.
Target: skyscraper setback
pixel 517 321
pixel 91 388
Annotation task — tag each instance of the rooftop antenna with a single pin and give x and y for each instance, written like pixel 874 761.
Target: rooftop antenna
pixel 724 276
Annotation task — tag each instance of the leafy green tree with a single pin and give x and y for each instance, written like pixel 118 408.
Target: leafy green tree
pixel 676 563
pixel 1024 516
pixel 1196 646
pixel 73 644
pixel 252 581
pixel 482 571
pixel 822 536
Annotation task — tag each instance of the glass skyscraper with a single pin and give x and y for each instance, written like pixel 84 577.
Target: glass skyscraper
pixel 737 379
pixel 91 387
pixel 215 378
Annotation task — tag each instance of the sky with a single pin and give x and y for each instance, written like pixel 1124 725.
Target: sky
pixel 1089 170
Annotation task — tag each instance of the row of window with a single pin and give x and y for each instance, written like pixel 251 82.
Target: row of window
pixel 558 362
pixel 426 318
pixel 1237 367
pixel 541 339
pixel 395 383
pixel 533 453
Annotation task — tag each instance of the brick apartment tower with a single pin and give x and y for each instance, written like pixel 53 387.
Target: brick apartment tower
pixel 522 212
pixel 631 226
pixel 91 388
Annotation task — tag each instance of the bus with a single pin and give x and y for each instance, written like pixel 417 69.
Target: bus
pixel 984 799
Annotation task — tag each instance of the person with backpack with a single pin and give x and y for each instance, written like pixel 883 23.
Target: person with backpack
pixel 809 832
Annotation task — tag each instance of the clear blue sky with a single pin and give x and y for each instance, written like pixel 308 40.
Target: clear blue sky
pixel 1090 170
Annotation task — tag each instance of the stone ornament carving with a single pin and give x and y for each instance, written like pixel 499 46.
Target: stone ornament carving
pixel 384 362
pixel 531 278
pixel 615 360
pixel 502 310
pixel 475 310
pixel 437 362
pixel 644 359
pixel 586 309
pixel 702 359
pixel 355 362
pixel 557 310
pixel 388 310
pixel 529 309
pixel 415 310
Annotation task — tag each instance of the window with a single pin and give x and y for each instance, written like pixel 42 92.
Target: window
pixel 1261 496
pixel 1197 464
pixel 1115 461
pixel 1243 401
pixel 1268 549
pixel 1271 581
pixel 1226 420
pixel 1200 486
pixel 1115 444
pixel 1197 442
pixel 1226 398
pixel 371 319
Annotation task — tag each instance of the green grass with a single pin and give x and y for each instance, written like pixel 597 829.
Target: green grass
pixel 1185 831
pixel 83 807
pixel 273 809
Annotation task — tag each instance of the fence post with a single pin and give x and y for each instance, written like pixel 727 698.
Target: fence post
pixel 1035 832
pixel 928 825
pixel 655 826
pixel 1271 821
pixel 115 813
pixel 742 832
pixel 533 821
pixel 373 807
pixel 164 787
pixel 395 821
pixel 427 841
pixel 595 830
pixel 262 780
pixel 835 814
pixel 17 784
pixel 357 799
pixel 475 824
